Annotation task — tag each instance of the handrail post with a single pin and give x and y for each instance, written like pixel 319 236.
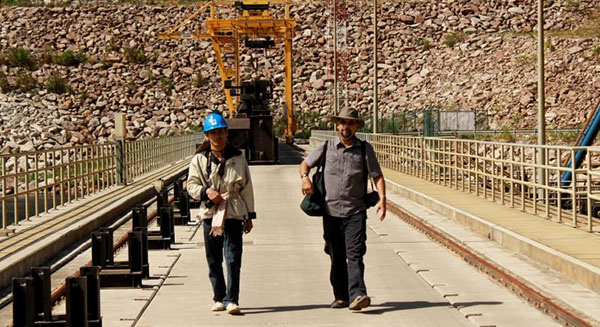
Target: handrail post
pixel 120 134
pixel 589 190
pixel 574 190
pixel 4 230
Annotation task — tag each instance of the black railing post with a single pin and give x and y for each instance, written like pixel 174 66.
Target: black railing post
pixel 166 222
pixel 135 248
pixel 23 301
pixel 77 302
pixel 139 216
pixel 99 249
pixel 145 261
pixel 42 307
pixel 92 273
pixel 184 205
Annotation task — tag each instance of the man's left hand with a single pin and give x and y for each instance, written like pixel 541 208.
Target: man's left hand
pixel 248 226
pixel 381 209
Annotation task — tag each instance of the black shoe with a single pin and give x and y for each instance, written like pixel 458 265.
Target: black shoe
pixel 338 304
pixel 360 302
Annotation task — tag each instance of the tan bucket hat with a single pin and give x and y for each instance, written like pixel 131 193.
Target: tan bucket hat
pixel 352 114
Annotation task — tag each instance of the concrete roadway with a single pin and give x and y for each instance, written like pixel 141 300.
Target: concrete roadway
pixel 285 276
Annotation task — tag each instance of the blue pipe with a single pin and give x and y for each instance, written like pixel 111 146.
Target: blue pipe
pixel 587 140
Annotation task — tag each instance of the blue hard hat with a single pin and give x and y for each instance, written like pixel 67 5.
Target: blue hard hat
pixel 214 121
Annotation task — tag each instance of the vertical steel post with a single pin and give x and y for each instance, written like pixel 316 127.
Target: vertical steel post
pixel 289 88
pixel 37 185
pixel 27 187
pixel 99 246
pixel 142 233
pixel 23 302
pixel 375 113
pixel 16 191
pixel 135 250
pixel 177 188
pixel 92 274
pixel 108 245
pixel 41 281
pixel 120 134
pixel 77 302
pixel 184 205
pixel 236 50
pixel 4 218
pixel 335 61
pixel 139 216
pixel 541 95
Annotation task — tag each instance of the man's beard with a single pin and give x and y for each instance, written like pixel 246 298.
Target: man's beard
pixel 346 134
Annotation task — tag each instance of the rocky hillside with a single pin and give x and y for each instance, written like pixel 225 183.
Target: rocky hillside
pixel 64 71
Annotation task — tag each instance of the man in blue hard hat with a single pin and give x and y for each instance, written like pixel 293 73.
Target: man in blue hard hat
pixel 219 177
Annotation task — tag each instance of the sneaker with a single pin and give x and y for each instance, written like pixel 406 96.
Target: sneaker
pixel 218 306
pixel 233 309
pixel 338 304
pixel 360 302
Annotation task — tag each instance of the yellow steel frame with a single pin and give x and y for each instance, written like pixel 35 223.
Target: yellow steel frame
pixel 226 33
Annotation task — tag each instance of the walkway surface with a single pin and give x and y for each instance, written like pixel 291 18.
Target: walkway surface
pixel 285 275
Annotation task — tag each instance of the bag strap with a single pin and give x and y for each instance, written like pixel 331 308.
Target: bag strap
pixel 323 157
pixel 363 153
pixel 208 162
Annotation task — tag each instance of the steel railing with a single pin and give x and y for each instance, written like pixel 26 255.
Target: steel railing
pixel 32 183
pixel 507 173
pixel 144 156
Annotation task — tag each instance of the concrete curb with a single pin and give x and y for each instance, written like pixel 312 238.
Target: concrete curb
pixel 49 247
pixel 573 268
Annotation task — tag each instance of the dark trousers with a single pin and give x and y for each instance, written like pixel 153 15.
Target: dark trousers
pixel 345 242
pixel 230 244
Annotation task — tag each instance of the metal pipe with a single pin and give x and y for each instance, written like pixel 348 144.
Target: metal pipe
pixel 587 139
pixel 541 93
pixel 335 59
pixel 375 114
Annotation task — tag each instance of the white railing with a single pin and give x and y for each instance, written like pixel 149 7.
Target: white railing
pixel 36 182
pixel 507 173
pixel 144 156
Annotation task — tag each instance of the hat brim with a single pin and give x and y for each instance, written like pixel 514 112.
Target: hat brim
pixel 361 123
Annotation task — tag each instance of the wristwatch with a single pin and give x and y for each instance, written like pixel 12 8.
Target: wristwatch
pixel 304 175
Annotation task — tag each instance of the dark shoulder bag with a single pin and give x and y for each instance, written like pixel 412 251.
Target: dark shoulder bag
pixel 314 204
pixel 372 197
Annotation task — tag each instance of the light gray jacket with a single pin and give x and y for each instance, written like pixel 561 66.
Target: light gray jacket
pixel 235 180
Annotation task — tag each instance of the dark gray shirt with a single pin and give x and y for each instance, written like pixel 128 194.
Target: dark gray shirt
pixel 345 178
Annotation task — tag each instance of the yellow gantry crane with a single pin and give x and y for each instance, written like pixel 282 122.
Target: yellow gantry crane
pixel 257 28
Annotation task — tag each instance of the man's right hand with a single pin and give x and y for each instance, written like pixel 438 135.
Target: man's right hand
pixel 307 186
pixel 214 196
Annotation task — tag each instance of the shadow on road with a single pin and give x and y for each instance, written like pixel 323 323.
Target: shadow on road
pixel 373 309
pixel 251 311
pixel 395 306
pixel 289 155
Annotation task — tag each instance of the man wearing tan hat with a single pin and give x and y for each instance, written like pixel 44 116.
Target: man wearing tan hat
pixel 349 162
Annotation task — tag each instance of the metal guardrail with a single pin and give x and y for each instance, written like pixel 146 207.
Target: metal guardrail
pixel 32 183
pixel 506 173
pixel 490 132
pixel 144 156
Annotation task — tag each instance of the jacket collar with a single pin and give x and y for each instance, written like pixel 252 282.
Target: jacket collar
pixel 230 152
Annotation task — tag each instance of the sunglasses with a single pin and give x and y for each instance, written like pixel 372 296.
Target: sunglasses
pixel 348 122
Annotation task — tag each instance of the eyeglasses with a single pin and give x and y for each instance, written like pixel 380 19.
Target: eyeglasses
pixel 349 122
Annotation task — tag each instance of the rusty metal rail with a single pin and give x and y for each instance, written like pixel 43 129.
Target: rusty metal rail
pixel 559 311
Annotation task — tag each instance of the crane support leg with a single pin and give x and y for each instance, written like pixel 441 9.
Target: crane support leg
pixel 291 126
